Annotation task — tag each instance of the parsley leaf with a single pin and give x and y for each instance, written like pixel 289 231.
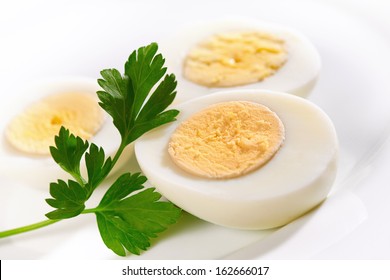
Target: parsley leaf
pixel 68 152
pixel 128 215
pixel 128 222
pixel 124 97
pixel 97 167
pixel 68 198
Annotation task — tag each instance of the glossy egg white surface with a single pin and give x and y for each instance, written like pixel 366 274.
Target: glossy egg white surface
pixel 297 76
pixel 295 180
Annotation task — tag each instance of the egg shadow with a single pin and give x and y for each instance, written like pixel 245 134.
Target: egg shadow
pixel 277 239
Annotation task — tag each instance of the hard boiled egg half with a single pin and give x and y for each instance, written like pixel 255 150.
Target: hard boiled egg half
pixel 248 159
pixel 241 54
pixel 34 116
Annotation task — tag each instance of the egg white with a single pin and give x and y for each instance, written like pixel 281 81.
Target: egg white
pixel 297 76
pixel 294 181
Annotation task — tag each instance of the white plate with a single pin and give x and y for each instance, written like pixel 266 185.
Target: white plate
pixel 44 40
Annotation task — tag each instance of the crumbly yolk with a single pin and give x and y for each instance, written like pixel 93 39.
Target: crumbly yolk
pixel 33 130
pixel 227 139
pixel 234 59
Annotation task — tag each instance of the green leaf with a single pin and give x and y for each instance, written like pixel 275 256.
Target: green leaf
pixel 97 166
pixel 125 97
pixel 115 99
pixel 122 187
pixel 117 235
pixel 128 216
pixel 68 152
pixel 161 98
pixel 68 198
pixel 142 127
pixel 144 69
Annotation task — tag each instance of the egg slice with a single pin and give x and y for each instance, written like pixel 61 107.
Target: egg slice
pixel 295 179
pixel 34 129
pixel 58 101
pixel 241 54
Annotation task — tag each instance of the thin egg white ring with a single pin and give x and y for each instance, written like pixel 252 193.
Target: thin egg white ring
pixel 297 76
pixel 295 180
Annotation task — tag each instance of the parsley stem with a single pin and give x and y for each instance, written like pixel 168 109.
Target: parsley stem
pixel 118 153
pixel 31 227
pixel 79 178
pixel 88 211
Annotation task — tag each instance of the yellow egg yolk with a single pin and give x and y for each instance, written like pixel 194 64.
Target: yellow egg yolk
pixel 234 59
pixel 34 129
pixel 227 139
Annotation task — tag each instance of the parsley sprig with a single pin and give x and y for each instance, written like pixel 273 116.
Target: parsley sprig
pixel 129 214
